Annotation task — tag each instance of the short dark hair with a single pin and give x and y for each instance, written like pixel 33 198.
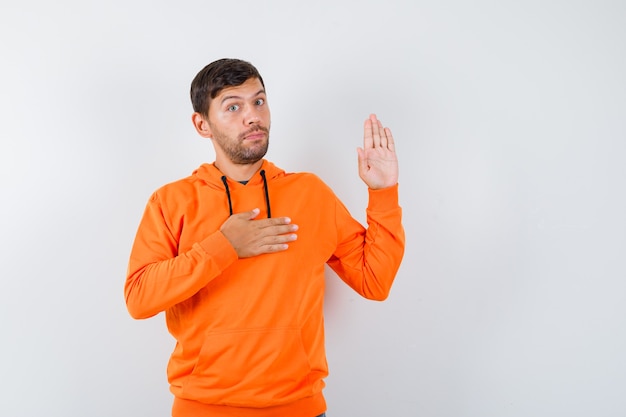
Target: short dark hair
pixel 216 76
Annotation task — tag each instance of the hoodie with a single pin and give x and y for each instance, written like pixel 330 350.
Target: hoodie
pixel 249 332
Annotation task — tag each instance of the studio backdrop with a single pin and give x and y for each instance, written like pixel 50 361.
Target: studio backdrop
pixel 510 125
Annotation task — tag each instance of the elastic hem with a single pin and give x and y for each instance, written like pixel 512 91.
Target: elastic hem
pixel 306 407
pixel 385 199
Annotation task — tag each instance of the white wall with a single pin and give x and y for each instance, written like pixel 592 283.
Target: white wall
pixel 510 122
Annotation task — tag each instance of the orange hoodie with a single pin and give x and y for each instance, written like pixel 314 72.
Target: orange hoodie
pixel 250 332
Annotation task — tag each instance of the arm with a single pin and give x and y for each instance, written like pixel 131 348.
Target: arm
pixel 368 260
pixel 160 277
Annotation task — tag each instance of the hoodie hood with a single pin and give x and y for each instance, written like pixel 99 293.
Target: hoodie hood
pixel 214 178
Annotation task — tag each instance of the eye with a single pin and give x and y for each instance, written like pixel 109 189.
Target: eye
pixel 260 102
pixel 233 107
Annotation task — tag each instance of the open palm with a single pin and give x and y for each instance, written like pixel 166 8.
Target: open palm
pixel 378 162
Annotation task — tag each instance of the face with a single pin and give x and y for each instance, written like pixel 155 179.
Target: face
pixel 239 122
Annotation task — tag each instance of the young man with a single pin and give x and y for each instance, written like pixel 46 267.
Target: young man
pixel 234 254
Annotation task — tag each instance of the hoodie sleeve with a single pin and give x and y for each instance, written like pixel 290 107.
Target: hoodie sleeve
pixel 158 276
pixel 368 259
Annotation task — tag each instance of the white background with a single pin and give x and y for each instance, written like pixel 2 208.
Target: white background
pixel 510 123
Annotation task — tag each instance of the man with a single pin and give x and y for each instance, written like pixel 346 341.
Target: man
pixel 234 254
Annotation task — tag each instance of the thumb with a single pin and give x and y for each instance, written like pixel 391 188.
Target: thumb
pixel 362 159
pixel 247 215
pixel 251 214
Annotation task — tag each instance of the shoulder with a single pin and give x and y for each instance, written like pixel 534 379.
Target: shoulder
pixel 176 189
pixel 305 184
pixel 306 179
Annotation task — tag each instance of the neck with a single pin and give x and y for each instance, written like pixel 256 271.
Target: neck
pixel 238 172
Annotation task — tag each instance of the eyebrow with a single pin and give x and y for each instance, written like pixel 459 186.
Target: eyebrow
pixel 258 93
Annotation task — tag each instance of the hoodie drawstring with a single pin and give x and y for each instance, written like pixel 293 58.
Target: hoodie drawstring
pixel 267 194
pixel 230 203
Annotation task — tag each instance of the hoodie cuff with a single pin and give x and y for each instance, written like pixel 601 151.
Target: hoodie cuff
pixel 384 199
pixel 219 249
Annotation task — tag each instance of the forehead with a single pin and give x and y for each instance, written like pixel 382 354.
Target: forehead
pixel 252 87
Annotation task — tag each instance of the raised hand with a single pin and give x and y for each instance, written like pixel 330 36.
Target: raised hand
pixel 378 162
pixel 252 237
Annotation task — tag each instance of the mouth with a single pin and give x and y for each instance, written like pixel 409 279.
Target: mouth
pixel 255 135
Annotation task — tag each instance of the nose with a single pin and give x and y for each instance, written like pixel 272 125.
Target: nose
pixel 252 116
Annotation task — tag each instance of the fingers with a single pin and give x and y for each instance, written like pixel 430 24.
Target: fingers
pixel 376 127
pixel 272 235
pixel 375 135
pixel 272 227
pixel 279 235
pixel 391 145
pixel 381 135
pixel 368 135
pixel 251 237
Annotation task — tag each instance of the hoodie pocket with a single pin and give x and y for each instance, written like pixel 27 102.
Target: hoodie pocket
pixel 251 368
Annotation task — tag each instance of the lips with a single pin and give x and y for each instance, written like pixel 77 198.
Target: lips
pixel 255 134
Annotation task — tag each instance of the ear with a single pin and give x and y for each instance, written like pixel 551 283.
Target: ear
pixel 202 125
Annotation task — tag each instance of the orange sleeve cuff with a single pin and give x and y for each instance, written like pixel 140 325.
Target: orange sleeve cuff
pixel 385 199
pixel 219 248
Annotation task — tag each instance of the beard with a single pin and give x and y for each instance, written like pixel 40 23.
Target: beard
pixel 238 151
